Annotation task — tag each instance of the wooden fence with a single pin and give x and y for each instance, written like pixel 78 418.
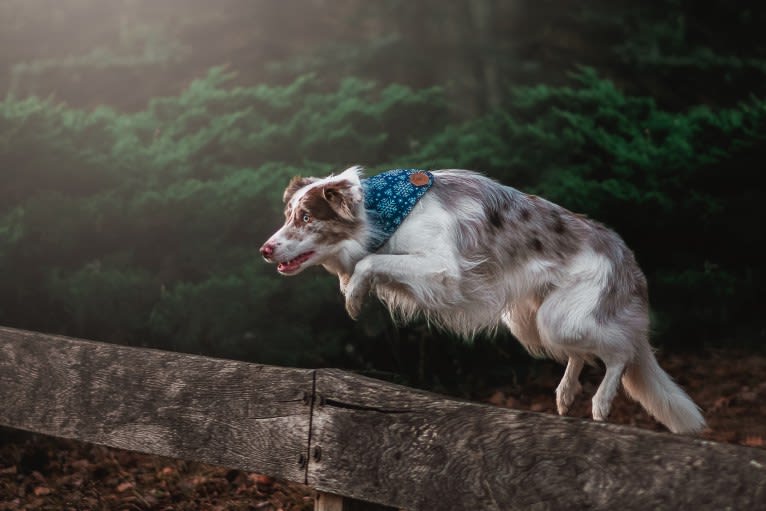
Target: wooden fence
pixel 360 441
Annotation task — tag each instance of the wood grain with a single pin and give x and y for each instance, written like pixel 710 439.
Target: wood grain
pixel 392 445
pixel 223 412
pixel 328 502
pixel 363 439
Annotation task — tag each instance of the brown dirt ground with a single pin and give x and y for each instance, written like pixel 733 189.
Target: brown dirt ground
pixel 44 473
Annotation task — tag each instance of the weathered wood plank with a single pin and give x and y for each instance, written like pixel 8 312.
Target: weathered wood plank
pixel 388 444
pixel 224 412
pixel 367 440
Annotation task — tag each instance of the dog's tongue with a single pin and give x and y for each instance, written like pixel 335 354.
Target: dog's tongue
pixel 288 266
pixel 293 264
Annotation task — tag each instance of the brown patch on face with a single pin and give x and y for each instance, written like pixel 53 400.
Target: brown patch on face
pixel 331 211
pixel 296 184
pixel 341 197
pixel 317 206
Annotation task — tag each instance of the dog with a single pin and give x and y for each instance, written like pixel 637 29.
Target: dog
pixel 470 255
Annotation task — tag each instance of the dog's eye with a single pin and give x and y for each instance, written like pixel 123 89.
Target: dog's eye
pixel 306 218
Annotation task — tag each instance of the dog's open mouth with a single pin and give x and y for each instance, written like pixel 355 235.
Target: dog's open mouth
pixel 294 264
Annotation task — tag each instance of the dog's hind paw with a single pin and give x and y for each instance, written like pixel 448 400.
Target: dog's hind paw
pixel 565 396
pixel 600 409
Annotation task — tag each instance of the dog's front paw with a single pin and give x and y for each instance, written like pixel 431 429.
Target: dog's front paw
pixel 355 299
pixel 356 290
pixel 353 306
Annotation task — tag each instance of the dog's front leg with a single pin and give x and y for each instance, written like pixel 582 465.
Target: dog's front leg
pixel 431 281
pixel 357 286
pixel 343 279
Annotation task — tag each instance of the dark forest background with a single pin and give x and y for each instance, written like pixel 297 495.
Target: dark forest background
pixel 144 147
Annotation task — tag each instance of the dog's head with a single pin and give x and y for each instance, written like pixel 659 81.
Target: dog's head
pixel 319 215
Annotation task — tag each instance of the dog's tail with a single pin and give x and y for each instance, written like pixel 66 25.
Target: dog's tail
pixel 646 382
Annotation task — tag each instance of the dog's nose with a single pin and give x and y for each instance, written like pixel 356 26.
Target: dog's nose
pixel 267 251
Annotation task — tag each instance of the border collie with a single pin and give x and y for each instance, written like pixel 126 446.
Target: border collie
pixel 469 254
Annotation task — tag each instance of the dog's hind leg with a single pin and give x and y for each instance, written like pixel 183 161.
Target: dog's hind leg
pixel 521 319
pixel 570 386
pixel 602 400
pixel 562 329
pixel 567 323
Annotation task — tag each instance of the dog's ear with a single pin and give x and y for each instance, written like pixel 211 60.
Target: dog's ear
pixel 344 198
pixel 296 184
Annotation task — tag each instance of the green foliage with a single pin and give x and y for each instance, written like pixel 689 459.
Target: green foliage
pixel 140 222
pixel 97 297
pixel 713 50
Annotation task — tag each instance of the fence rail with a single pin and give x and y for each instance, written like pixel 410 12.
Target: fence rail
pixel 352 437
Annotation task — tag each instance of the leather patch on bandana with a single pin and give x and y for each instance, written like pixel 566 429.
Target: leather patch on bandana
pixel 419 178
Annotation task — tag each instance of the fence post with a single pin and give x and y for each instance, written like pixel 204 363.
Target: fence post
pixel 331 502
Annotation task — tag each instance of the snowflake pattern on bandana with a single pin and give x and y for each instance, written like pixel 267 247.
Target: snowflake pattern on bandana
pixel 389 197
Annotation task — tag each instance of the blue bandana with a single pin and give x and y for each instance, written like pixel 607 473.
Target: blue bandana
pixel 389 197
